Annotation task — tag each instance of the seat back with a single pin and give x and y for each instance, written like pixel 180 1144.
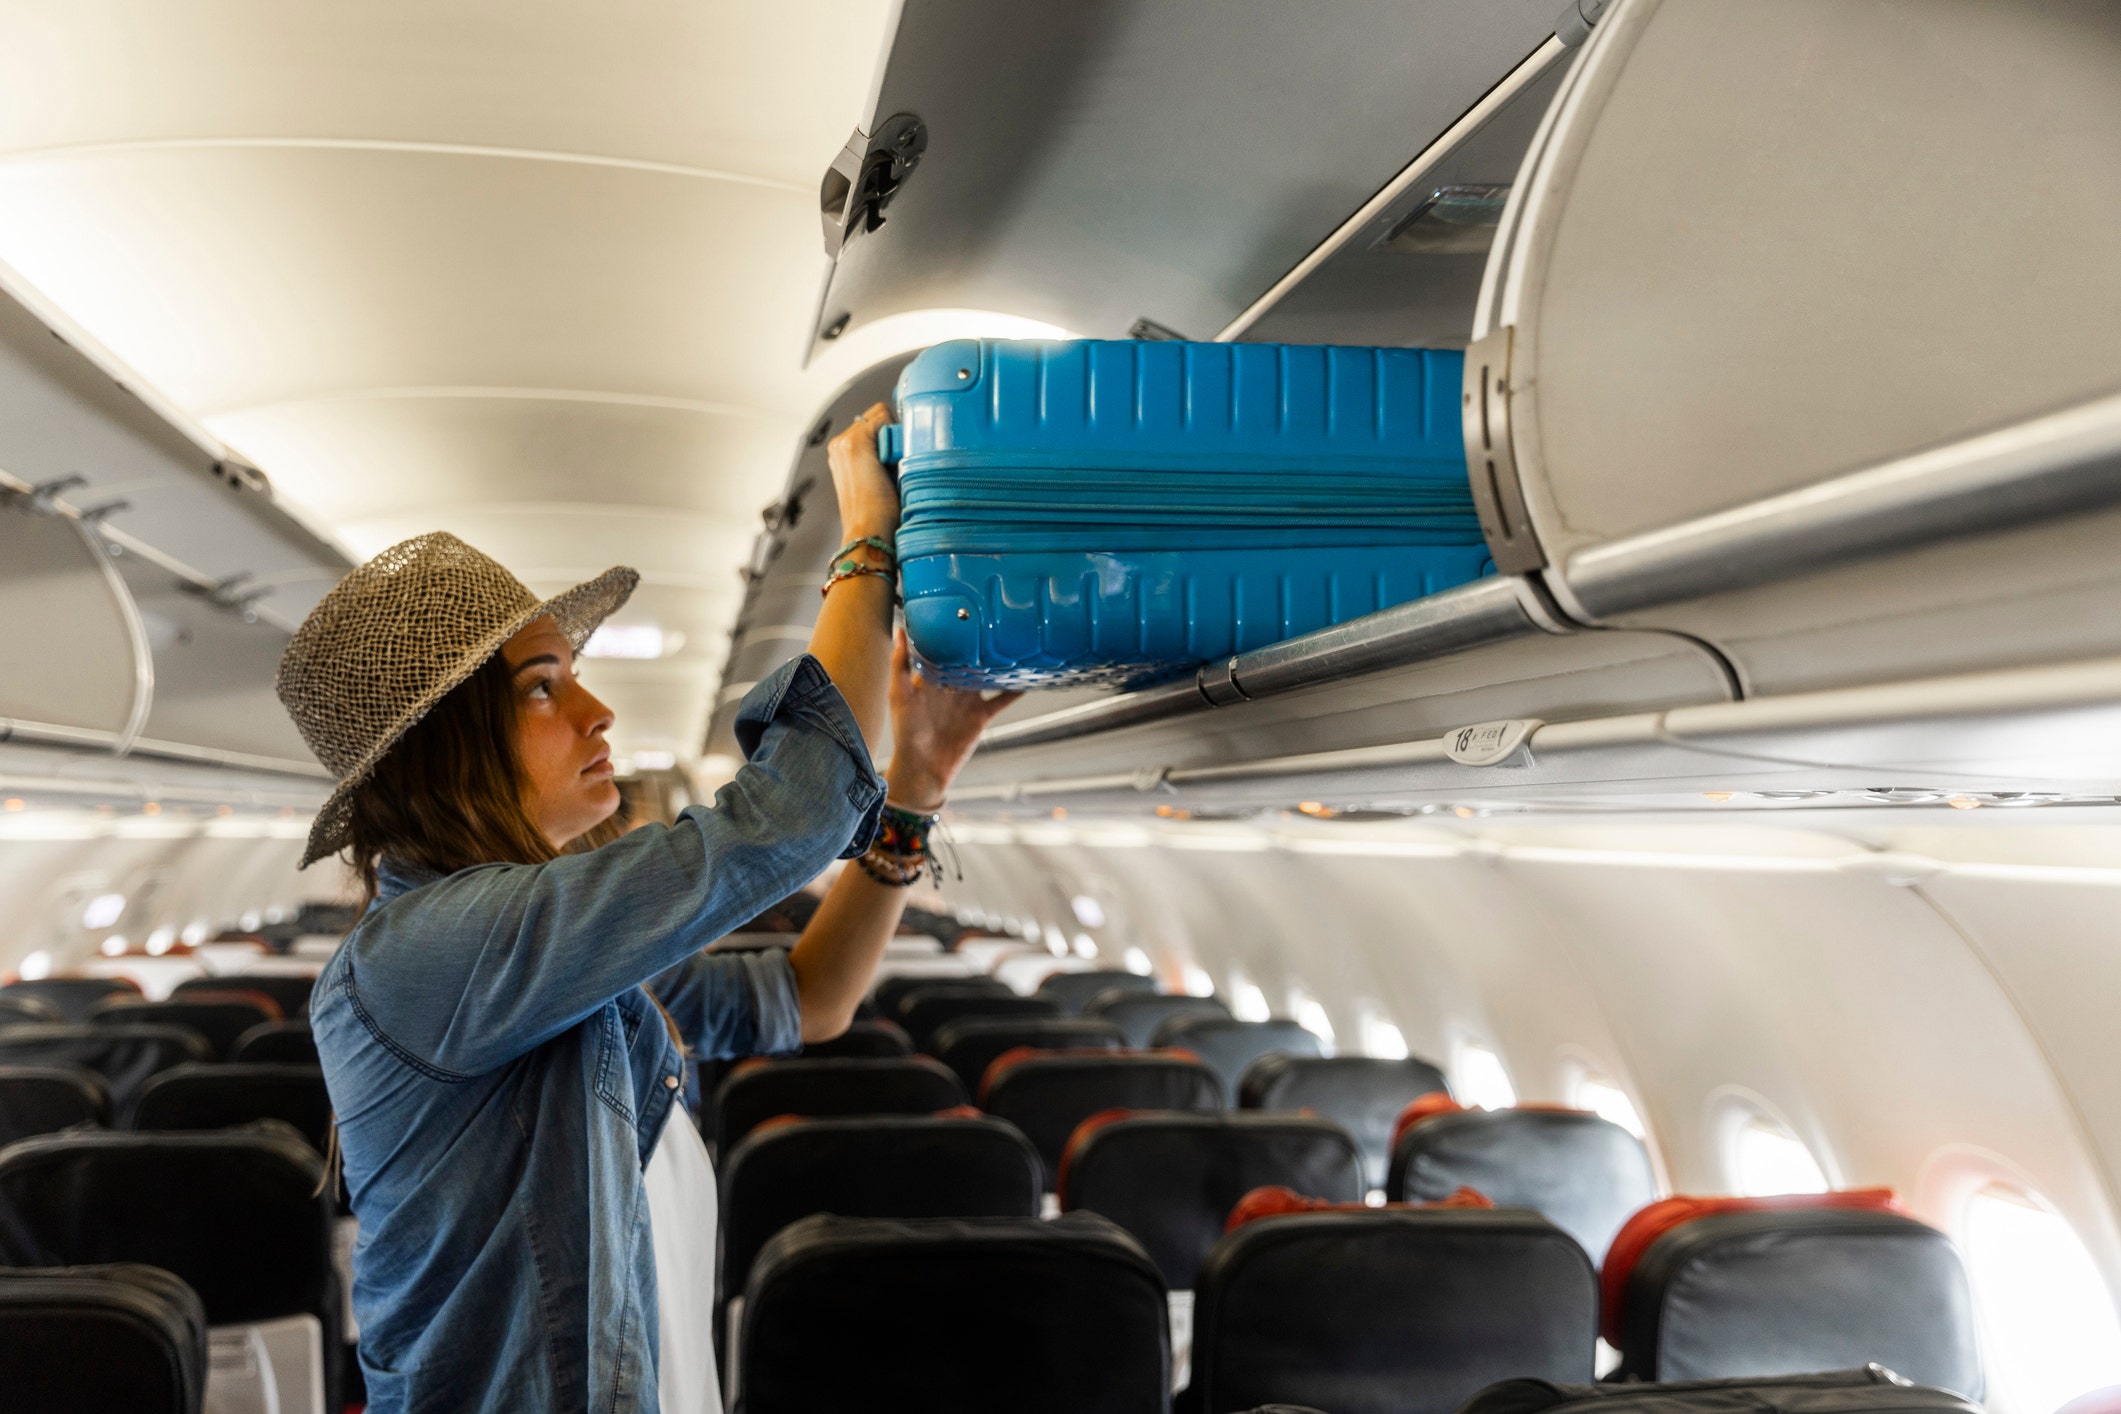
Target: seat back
pixel 924 1011
pixel 289 993
pixel 1172 1179
pixel 44 1099
pixel 1584 1174
pixel 1137 1014
pixel 1722 1287
pixel 221 1017
pixel 1362 1094
pixel 71 997
pixel 1047 1094
pixel 240 1215
pixel 862 1040
pixel 1228 1046
pixel 892 990
pixel 125 1056
pixel 120 1339
pixel 223 1096
pixel 277 1043
pixel 905 1085
pixel 1074 991
pixel 972 1043
pixel 870 1166
pixel 954 1316
pixel 16 1010
pixel 1390 1311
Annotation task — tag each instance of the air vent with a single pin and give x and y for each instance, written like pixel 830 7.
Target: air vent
pixel 1449 221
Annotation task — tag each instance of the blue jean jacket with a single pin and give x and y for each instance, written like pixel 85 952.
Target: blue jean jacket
pixel 500 1078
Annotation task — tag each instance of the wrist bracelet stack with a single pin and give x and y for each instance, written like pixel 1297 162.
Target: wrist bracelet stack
pixel 845 567
pixel 899 853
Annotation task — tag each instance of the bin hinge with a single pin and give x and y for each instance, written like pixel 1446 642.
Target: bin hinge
pixel 1491 457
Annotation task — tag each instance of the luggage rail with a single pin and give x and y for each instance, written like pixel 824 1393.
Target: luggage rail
pixel 2043 469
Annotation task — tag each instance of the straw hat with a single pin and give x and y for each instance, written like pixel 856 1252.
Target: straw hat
pixel 394 637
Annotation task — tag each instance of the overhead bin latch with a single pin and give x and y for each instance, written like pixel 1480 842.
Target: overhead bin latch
pixel 1506 743
pixel 1574 24
pixel 866 175
pixel 1491 456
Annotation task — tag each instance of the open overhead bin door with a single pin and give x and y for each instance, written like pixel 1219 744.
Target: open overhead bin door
pixel 77 655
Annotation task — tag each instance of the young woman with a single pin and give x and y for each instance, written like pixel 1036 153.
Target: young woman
pixel 504 1031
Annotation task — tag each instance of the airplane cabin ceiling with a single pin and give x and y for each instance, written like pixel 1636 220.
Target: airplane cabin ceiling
pixel 539 274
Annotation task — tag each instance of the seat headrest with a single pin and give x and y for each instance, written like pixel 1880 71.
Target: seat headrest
pixel 1002 1313
pixel 223 1096
pixel 219 1017
pixel 912 1085
pixel 1076 990
pixel 891 992
pixel 1172 1179
pixel 1422 1107
pixel 923 1012
pixel 72 997
pixel 1278 1202
pixel 282 1042
pixel 44 1099
pixel 862 1040
pixel 1583 1173
pixel 1138 1014
pixel 1228 1046
pixel 290 992
pixel 124 1055
pixel 1714 1288
pixel 959 1165
pixel 1047 1094
pixel 116 1339
pixel 971 1044
pixel 1870 1390
pixel 1364 1094
pixel 1390 1311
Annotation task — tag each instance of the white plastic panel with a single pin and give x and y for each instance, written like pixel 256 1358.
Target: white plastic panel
pixel 70 639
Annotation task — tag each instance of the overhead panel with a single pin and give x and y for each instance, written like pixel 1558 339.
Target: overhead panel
pixel 68 634
pixel 1092 164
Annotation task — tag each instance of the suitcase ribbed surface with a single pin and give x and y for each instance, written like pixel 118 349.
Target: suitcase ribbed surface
pixel 1116 510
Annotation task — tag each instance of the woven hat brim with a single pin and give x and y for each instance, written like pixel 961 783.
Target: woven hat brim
pixel 577 612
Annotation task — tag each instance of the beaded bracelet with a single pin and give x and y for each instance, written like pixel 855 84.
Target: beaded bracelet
pixel 850 570
pixel 895 871
pixel 876 543
pixel 899 854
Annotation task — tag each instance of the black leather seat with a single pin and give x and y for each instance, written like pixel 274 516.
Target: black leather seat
pixel 1873 1389
pixel 952 1316
pixel 1362 1094
pixel 277 1043
pixel 125 1056
pixel 1584 1174
pixel 224 1096
pixel 890 991
pixel 1228 1046
pixel 16 1010
pixel 972 1043
pixel 1138 1014
pixel 1172 1179
pixel 290 994
pixel 902 1085
pixel 44 1099
pixel 1074 991
pixel 221 1017
pixel 1048 1095
pixel 870 1166
pixel 926 1010
pixel 1389 1311
pixel 119 1339
pixel 240 1215
pixel 1728 1287
pixel 71 997
pixel 862 1040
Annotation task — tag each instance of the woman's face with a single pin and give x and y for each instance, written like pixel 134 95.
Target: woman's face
pixel 567 785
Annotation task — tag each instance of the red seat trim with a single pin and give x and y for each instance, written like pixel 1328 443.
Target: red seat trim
pixel 1422 1107
pixel 1082 1135
pixel 1276 1201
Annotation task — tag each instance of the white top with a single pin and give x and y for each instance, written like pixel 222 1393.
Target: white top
pixel 681 1216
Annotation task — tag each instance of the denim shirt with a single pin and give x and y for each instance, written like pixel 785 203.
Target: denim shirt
pixel 500 1077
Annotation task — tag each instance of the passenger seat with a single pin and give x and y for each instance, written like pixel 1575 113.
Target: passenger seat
pixel 862 1040
pixel 890 991
pixel 946 1316
pixel 124 1056
pixel 1714 1288
pixel 72 997
pixel 119 1339
pixel 925 1010
pixel 1228 1046
pixel 191 1097
pixel 221 1017
pixel 1138 1014
pixel 1389 1311
pixel 757 1091
pixel 1362 1094
pixel 1047 1094
pixel 44 1099
pixel 289 993
pixel 972 1043
pixel 277 1043
pixel 1074 991
pixel 1586 1175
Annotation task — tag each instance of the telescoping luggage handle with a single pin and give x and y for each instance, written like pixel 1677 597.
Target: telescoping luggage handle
pixel 890 443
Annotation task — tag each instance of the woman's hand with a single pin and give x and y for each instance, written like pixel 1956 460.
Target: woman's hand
pixel 933 731
pixel 868 496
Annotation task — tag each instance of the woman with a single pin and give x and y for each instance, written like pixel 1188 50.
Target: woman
pixel 536 1209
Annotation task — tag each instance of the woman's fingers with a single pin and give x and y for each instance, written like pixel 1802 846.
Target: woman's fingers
pixel 868 496
pixel 994 706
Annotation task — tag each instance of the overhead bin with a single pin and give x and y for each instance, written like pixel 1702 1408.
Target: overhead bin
pixel 77 652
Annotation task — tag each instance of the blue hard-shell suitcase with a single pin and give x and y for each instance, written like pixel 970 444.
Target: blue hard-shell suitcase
pixel 1114 511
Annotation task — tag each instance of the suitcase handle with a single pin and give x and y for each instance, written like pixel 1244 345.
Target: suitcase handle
pixel 890 444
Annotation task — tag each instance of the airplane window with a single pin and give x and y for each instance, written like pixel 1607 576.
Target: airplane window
pixel 1247 1002
pixel 1381 1039
pixel 2047 1319
pixel 1138 962
pixel 1608 1101
pixel 1088 911
pixel 1479 1078
pixel 37 964
pixel 103 910
pixel 1767 1159
pixel 1198 982
pixel 1310 1014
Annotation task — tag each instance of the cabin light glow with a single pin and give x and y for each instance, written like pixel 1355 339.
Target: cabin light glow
pixel 1138 962
pixel 1479 1078
pixel 249 922
pixel 1088 911
pixel 636 641
pixel 1767 1160
pixel 195 932
pixel 1199 983
pixel 2048 1325
pixel 1609 1102
pixel 102 911
pixel 1247 1001
pixel 1382 1040
pixel 1310 1014
pixel 654 760
pixel 1085 945
pixel 37 965
pixel 161 940
pixel 115 946
pixel 1056 940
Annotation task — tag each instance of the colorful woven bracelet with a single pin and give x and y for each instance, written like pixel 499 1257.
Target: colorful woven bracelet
pixel 876 543
pixel 896 871
pixel 903 832
pixel 851 570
